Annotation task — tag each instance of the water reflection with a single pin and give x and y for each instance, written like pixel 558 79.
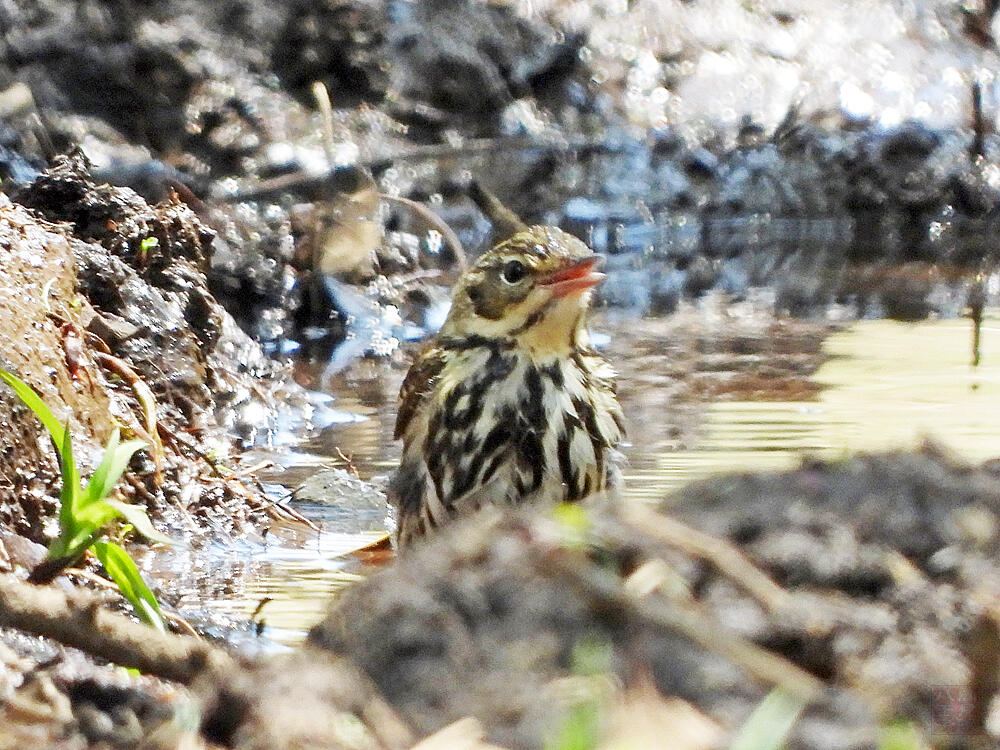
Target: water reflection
pixel 713 394
pixel 886 385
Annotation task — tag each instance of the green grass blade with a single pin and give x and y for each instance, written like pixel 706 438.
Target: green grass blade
pixel 34 402
pixel 113 465
pixel 87 525
pixel 69 495
pixel 90 492
pixel 61 439
pixel 770 723
pixel 138 518
pixel 125 574
pixel 72 547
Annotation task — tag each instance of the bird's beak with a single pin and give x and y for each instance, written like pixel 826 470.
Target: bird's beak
pixel 574 278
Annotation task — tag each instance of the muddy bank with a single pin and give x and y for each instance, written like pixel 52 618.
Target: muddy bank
pixel 108 293
pixel 107 314
pixel 110 319
pixel 865 589
pixel 871 576
pixel 625 126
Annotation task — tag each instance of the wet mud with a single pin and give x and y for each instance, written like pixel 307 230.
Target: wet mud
pixel 882 592
pixel 106 301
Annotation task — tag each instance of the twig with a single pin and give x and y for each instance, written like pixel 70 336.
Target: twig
pixel 277 508
pixel 141 490
pixel 322 97
pixel 251 470
pixel 725 557
pixel 976 301
pixel 978 148
pixel 505 222
pixel 275 186
pixel 351 468
pixel 175 439
pixel 436 222
pixel 606 592
pixel 235 484
pixel 78 620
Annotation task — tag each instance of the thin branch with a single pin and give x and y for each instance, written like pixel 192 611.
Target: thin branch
pixel 725 557
pixel 78 620
pixel 146 399
pixel 606 592
pixel 505 222
pixel 436 222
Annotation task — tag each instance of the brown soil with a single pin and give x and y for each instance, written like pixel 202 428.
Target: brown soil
pixel 884 573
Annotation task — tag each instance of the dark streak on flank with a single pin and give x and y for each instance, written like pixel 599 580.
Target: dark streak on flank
pixel 408 486
pixel 586 414
pixel 565 465
pixel 432 441
pixel 463 482
pixel 529 458
pixel 554 373
pixel 491 469
pixel 453 418
pixel 495 438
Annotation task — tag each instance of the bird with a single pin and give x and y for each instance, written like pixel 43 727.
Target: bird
pixel 509 403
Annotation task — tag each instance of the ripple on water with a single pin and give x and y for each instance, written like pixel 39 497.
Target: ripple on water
pixel 886 385
pixel 883 385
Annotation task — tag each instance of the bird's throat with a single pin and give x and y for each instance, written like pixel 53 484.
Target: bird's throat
pixel 556 329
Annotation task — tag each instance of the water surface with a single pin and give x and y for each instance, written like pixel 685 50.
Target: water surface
pixel 883 385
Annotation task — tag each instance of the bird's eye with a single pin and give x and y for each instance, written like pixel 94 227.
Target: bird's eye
pixel 513 271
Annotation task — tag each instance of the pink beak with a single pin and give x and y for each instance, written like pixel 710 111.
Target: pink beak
pixel 574 278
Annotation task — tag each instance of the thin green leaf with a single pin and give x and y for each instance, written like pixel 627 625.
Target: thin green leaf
pixel 98 477
pixel 88 523
pixel 769 724
pixel 138 518
pixel 125 574
pixel 34 402
pixel 69 495
pixel 71 547
pixel 113 465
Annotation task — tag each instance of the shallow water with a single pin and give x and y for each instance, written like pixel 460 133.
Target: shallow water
pixel 885 385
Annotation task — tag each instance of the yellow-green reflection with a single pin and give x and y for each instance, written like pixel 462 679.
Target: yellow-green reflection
pixel 296 580
pixel 298 595
pixel 887 385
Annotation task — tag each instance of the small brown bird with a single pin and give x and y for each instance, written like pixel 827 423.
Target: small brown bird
pixel 509 403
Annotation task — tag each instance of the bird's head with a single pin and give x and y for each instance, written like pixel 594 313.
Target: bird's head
pixel 534 287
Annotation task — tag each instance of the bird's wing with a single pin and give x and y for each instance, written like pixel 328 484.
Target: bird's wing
pixel 418 385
